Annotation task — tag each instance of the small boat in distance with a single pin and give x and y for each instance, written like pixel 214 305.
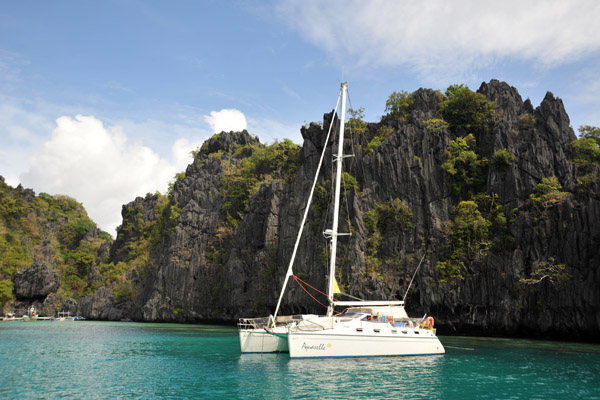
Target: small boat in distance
pixel 32 315
pixel 9 317
pixel 65 316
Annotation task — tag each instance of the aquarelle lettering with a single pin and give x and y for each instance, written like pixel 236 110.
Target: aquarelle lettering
pixel 320 347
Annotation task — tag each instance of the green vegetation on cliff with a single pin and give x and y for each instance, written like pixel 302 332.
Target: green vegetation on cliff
pixel 502 238
pixel 587 147
pixel 435 125
pixel 479 224
pixel 55 230
pixel 548 193
pixel 386 219
pixel 259 166
pixel 383 132
pixel 466 111
pixel 465 166
pixel 356 124
pixel 547 270
pixel 398 105
pixel 468 237
pixel 138 240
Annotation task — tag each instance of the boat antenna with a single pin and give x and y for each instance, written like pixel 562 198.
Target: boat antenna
pixel 413 278
pixel 289 272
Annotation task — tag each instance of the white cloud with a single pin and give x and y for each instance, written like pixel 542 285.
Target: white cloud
pixel 226 120
pixel 182 152
pixel 97 166
pixel 158 134
pixel 450 36
pixel 104 165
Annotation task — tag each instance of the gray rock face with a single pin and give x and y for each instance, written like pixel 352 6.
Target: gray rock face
pixel 205 269
pixel 141 209
pixel 35 282
pixel 100 305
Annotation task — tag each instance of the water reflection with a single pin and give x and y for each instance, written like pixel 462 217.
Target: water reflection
pixel 373 376
pixel 116 360
pixel 399 377
pixel 471 368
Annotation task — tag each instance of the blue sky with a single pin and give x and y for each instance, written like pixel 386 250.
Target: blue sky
pixel 103 101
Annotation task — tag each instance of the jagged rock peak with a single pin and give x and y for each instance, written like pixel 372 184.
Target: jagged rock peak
pixel 507 98
pixel 314 132
pixel 426 99
pixel 425 106
pixel 142 209
pixel 28 194
pixel 552 110
pixel 225 141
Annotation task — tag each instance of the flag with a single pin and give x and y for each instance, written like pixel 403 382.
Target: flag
pixel 336 288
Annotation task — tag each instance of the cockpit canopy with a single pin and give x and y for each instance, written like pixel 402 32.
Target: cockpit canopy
pixel 396 312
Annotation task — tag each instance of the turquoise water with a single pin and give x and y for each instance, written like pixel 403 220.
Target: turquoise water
pixel 90 360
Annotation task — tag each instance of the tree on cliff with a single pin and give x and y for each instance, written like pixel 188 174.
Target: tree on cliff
pixel 468 237
pixel 464 164
pixel 52 230
pixel 398 105
pixel 587 147
pixel 547 270
pixel 466 111
pixel 548 193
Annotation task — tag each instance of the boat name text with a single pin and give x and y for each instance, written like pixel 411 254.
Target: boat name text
pixel 320 347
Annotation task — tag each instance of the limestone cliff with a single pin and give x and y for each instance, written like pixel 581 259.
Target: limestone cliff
pixel 507 218
pixel 206 268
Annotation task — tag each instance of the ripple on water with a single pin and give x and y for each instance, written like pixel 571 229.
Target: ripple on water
pixel 116 360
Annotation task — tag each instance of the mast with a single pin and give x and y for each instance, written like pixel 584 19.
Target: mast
pixel 336 205
pixel 289 272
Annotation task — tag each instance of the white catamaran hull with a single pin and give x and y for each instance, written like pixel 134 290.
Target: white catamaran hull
pixel 334 343
pixel 261 341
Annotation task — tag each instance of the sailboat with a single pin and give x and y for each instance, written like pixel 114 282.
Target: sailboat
pixel 270 334
pixel 364 328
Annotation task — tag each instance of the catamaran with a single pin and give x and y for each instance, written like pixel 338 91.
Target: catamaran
pixel 363 328
pixel 270 334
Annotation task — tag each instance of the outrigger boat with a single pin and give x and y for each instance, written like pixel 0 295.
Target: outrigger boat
pixel 9 317
pixel 32 315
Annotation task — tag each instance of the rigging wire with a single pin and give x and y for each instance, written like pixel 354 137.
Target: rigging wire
pixel 355 163
pixel 331 191
pixel 302 283
pixel 413 277
pixel 336 130
pixel 352 168
pixel 330 197
pixel 310 195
